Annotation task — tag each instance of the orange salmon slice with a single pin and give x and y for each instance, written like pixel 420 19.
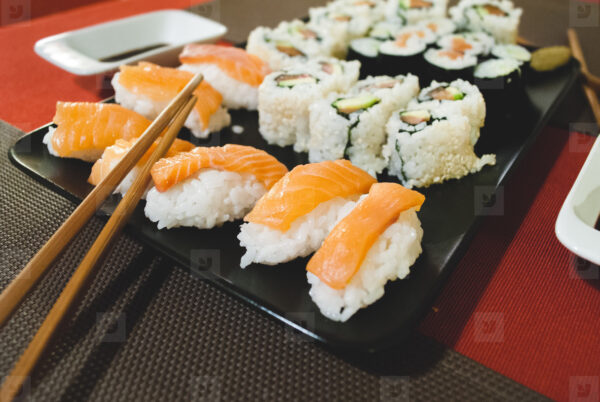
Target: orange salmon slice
pixel 344 250
pixel 234 158
pixel 162 84
pixel 233 61
pixel 116 152
pixel 304 188
pixel 92 127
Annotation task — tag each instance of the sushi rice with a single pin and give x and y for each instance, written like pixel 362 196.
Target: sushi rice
pixel 390 258
pixel 268 246
pixel 207 199
pixel 359 134
pixel 284 98
pixel 437 150
pixel 470 103
pixel 498 17
pixel 151 109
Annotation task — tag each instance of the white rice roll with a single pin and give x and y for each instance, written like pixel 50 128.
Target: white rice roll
pixel 390 258
pixel 439 148
pixel 341 74
pixel 340 17
pixel 458 97
pixel 236 94
pixel 440 26
pixel 283 101
pixel 207 199
pixel 150 109
pixel 265 245
pixel 337 131
pixel 295 42
pixel 413 11
pixel 500 18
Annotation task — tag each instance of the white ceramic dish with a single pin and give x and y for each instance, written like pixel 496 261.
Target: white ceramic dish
pixel 89 50
pixel 579 214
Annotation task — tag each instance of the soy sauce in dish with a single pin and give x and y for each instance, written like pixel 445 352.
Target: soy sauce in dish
pixel 130 53
pixel 597 227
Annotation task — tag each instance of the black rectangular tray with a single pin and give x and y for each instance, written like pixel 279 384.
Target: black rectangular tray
pixel 449 217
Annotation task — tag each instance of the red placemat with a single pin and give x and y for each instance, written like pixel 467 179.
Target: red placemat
pixel 519 302
pixel 31 86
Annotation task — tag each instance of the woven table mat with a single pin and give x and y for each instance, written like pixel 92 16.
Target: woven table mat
pixel 148 330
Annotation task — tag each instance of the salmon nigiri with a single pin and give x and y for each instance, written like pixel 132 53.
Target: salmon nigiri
pixel 208 186
pixel 113 154
pixel 85 129
pixel 232 71
pixel 296 215
pixel 377 241
pixel 148 88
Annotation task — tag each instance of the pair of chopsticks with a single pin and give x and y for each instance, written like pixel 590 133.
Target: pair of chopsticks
pixel 175 113
pixel 592 82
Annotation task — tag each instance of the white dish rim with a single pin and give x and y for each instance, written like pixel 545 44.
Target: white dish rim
pixel 217 31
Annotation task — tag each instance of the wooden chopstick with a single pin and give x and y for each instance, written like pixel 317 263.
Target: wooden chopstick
pixel 578 54
pixel 16 291
pixel 85 273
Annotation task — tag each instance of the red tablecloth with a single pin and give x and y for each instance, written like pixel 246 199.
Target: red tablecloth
pixel 518 301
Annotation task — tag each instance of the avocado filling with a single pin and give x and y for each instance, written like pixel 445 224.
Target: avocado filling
pixel 448 93
pixel 354 104
pixel 415 117
pixel 287 48
pixel 489 9
pixel 291 80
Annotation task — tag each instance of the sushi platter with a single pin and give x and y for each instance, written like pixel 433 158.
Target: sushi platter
pixel 397 166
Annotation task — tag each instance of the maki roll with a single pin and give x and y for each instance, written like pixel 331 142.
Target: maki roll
pixel 377 242
pixel 299 211
pixel 498 17
pixel 413 11
pixel 208 186
pixel 342 74
pixel 404 54
pixel 230 70
pixel 439 26
pixel 427 147
pixel 85 129
pixel 461 44
pixel 285 96
pixel 515 52
pixel 352 125
pixel 295 42
pixel 366 51
pixel 148 89
pixel 449 65
pixel 353 21
pixel 458 97
pixel 499 79
pixel 486 41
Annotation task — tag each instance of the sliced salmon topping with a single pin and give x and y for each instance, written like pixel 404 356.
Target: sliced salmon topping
pixel 344 250
pixel 86 126
pixel 163 84
pixel 304 188
pixel 234 158
pixel 451 54
pixel 233 61
pixel 116 152
pixel 460 45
